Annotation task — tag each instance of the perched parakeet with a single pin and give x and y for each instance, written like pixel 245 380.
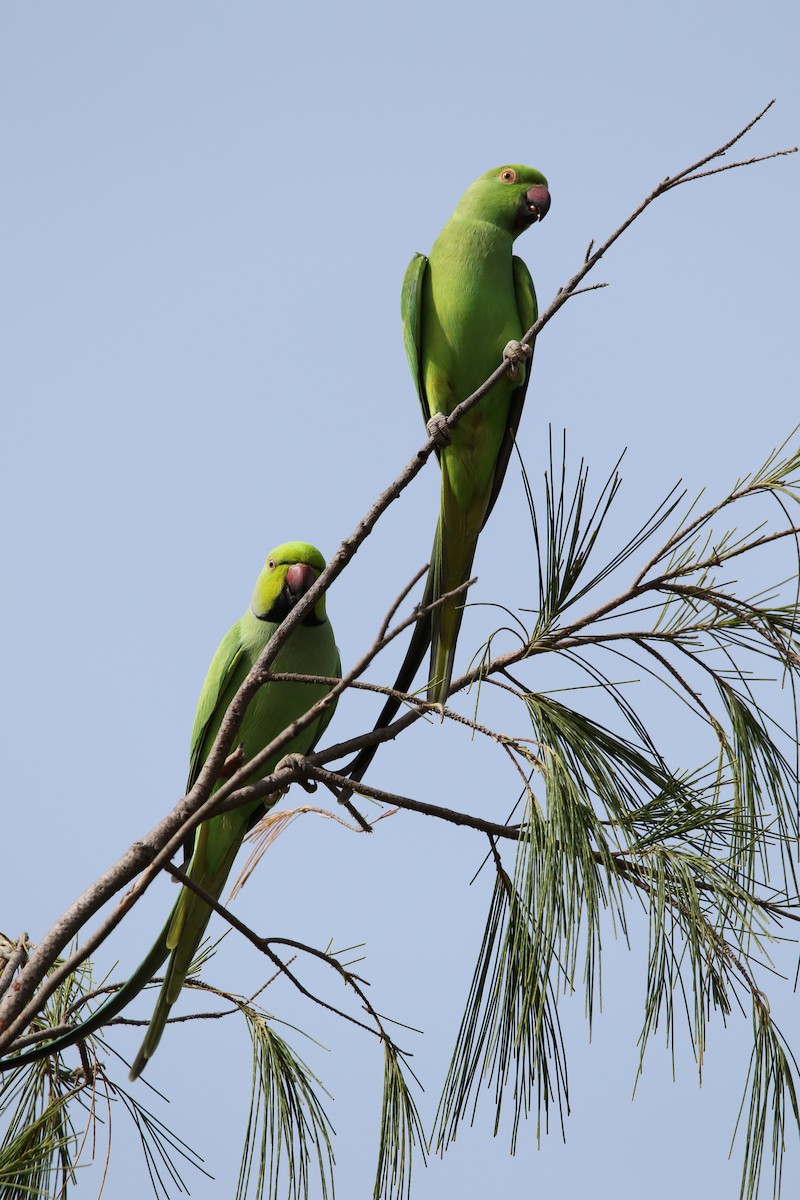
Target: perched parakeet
pixel 289 572
pixel 461 307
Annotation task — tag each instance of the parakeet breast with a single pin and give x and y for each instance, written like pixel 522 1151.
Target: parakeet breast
pixel 277 704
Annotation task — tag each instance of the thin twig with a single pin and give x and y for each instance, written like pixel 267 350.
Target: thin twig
pixel 264 944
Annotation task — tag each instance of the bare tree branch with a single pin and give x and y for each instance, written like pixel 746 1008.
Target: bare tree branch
pixel 151 853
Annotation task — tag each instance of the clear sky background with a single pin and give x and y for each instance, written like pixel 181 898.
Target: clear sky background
pixel 206 213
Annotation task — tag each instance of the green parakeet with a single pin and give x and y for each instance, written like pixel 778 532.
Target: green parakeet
pixel 289 572
pixel 461 307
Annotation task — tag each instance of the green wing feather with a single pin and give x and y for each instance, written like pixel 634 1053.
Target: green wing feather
pixel 411 315
pixel 225 676
pixel 528 313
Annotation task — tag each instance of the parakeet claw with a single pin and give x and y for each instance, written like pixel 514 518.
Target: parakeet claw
pixel 439 430
pixel 516 353
pixel 296 762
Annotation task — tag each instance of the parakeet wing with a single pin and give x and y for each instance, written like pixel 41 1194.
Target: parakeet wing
pixel 528 312
pixel 225 675
pixel 411 315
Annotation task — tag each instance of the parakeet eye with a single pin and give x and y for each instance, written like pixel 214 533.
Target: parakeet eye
pixel 271 564
pixel 509 175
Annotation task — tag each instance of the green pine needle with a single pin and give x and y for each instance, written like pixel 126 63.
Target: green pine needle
pixel 288 1137
pixel 401 1131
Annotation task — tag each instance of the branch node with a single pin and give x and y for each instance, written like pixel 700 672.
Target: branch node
pixel 232 763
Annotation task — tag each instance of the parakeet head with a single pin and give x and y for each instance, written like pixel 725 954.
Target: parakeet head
pixel 512 197
pixel 288 573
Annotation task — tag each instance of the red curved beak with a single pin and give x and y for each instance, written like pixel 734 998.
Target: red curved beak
pixel 299 579
pixel 538 200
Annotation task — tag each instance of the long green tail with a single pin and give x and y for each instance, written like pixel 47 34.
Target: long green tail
pixel 436 629
pixel 187 925
pixel 110 1008
pixel 417 649
pixel 451 564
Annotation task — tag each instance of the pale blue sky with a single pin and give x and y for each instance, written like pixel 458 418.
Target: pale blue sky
pixel 206 213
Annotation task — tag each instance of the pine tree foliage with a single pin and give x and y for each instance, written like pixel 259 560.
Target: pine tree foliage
pixel 707 849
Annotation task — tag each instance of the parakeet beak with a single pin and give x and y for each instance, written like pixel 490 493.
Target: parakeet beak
pixel 299 579
pixel 269 605
pixel 537 202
